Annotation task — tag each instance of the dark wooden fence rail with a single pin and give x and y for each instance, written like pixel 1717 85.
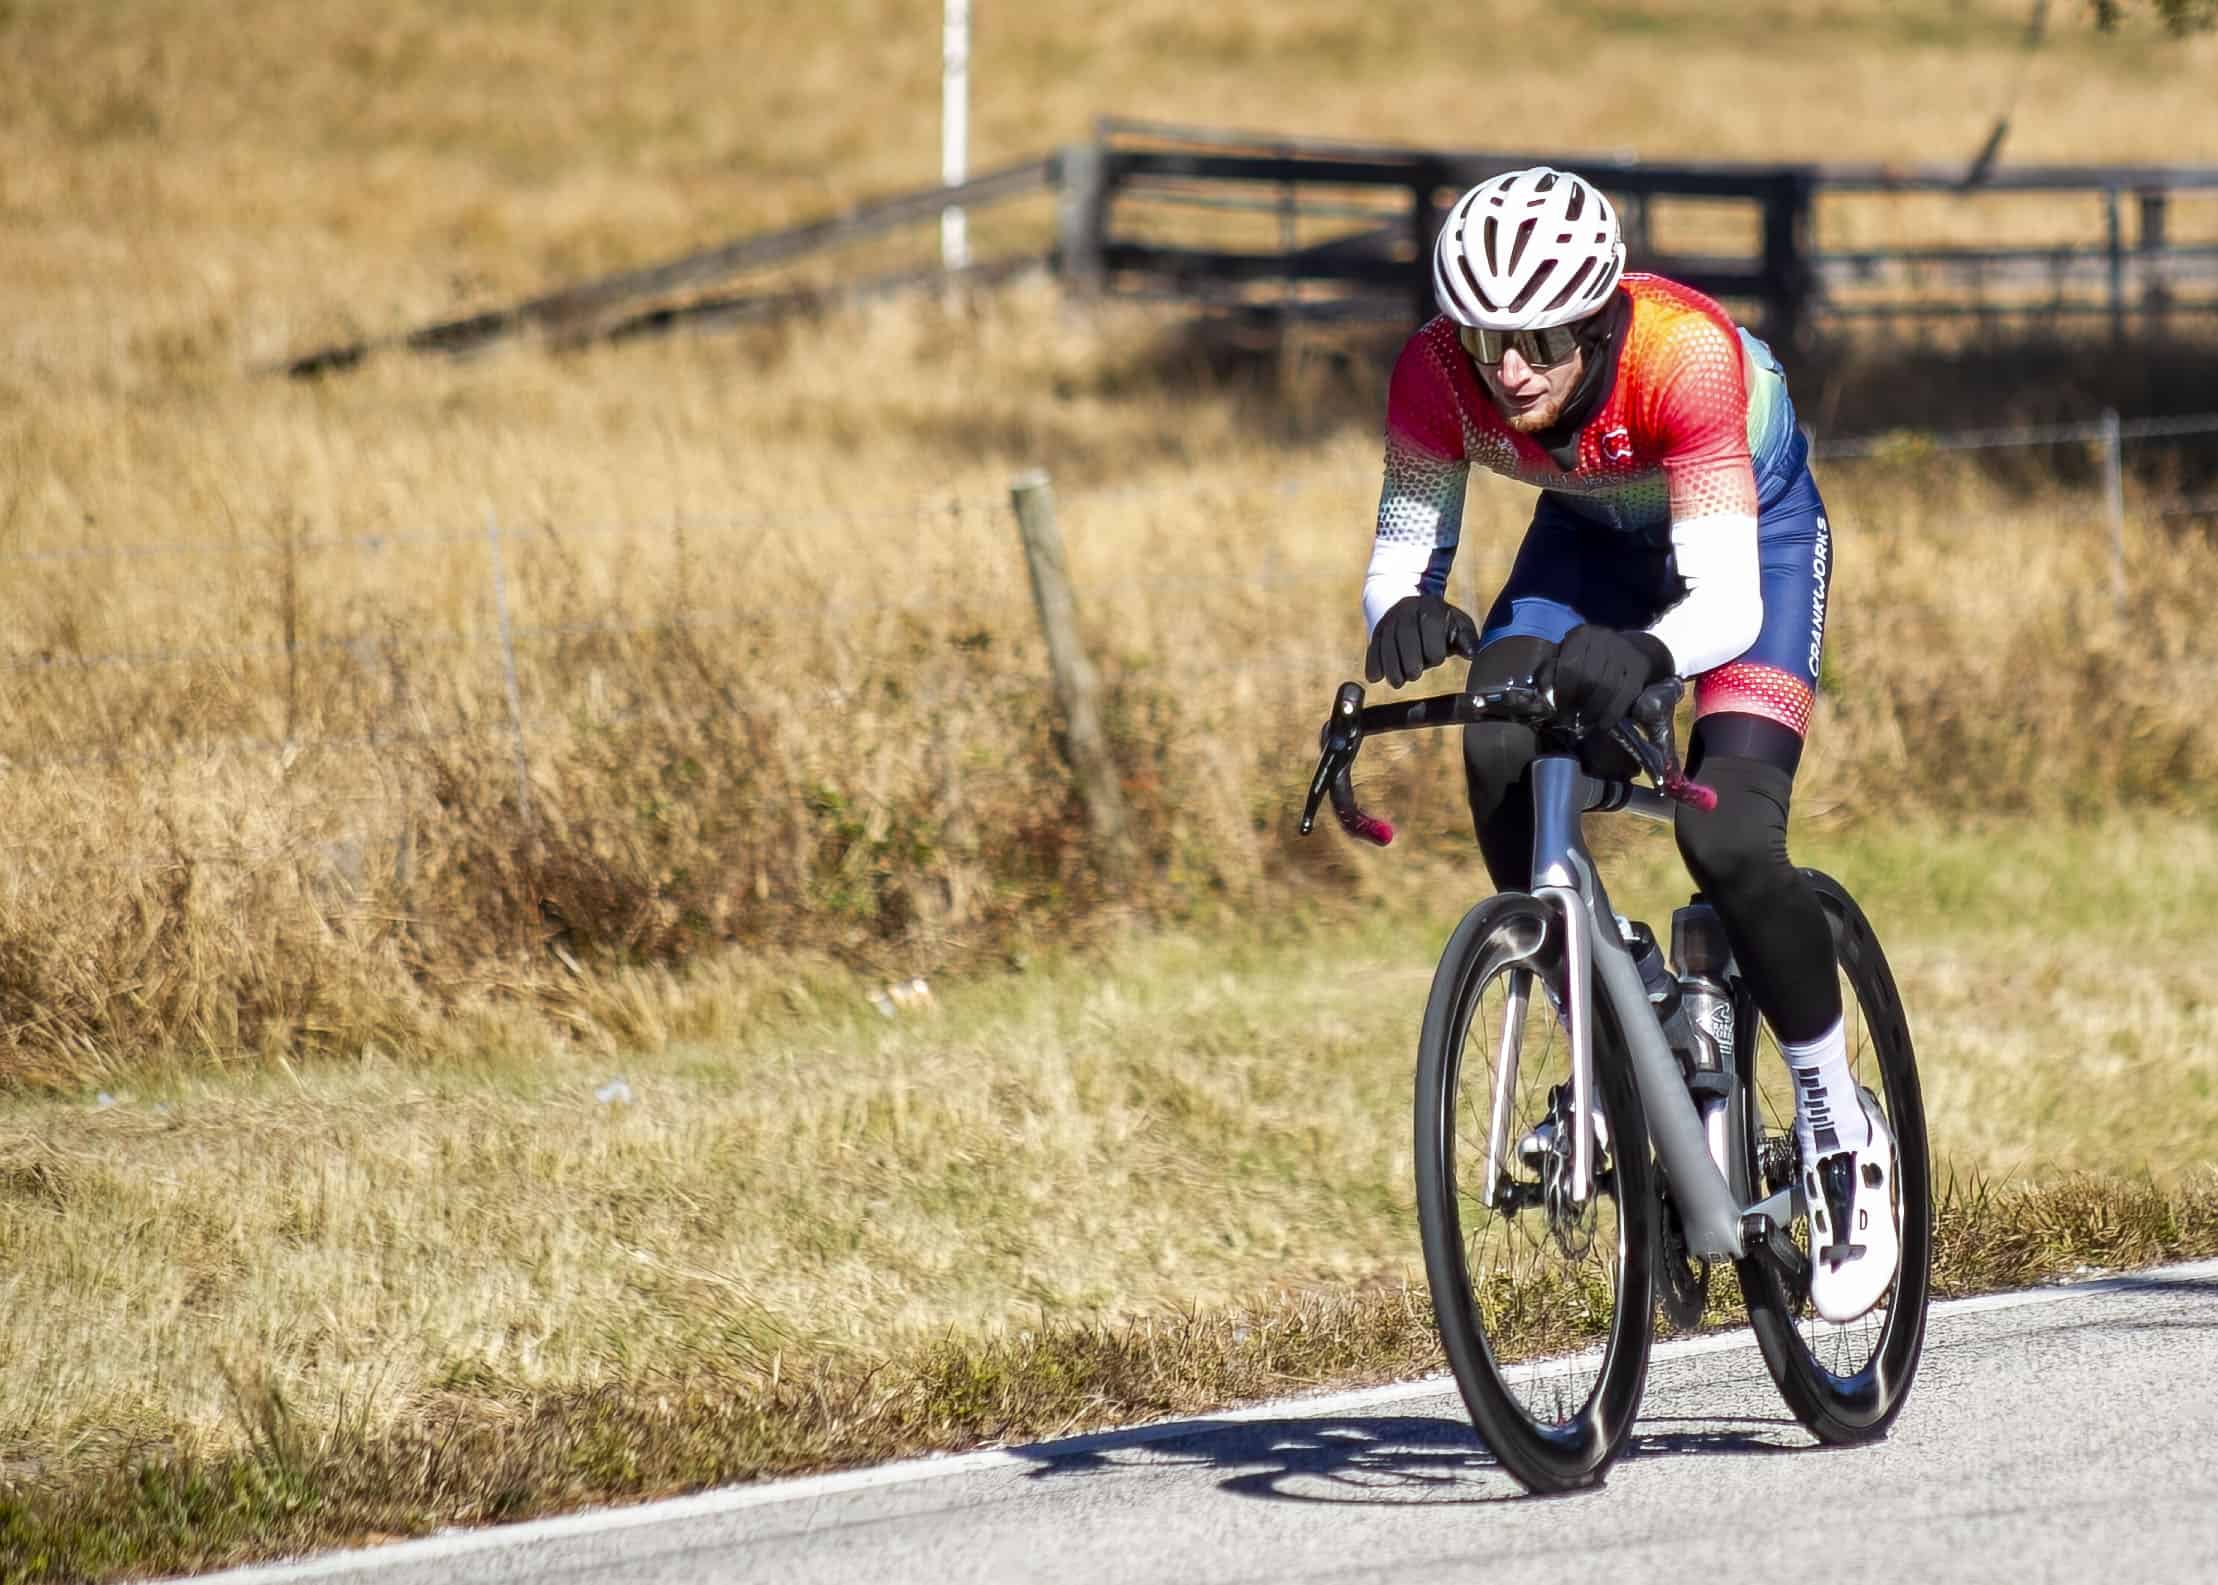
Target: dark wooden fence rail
pixel 1388 202
pixel 1379 206
pixel 1149 161
pixel 610 305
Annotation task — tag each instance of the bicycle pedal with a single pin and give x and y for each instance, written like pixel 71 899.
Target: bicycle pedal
pixel 1760 1235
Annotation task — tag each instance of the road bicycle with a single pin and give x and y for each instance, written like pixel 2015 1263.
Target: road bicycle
pixel 1583 1155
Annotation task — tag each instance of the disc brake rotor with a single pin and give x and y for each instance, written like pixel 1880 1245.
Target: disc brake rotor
pixel 1571 1226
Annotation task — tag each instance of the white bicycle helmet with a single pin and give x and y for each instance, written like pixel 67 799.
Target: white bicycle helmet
pixel 1527 250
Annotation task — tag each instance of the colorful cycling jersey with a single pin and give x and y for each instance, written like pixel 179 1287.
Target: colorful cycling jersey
pixel 1694 434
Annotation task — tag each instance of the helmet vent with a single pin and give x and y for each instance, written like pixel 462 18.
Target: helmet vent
pixel 1571 287
pixel 1532 287
pixel 1475 285
pixel 1525 229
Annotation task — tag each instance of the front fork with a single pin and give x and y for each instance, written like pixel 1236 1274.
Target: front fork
pixel 1577 1012
pixel 1505 1078
pixel 1578 1009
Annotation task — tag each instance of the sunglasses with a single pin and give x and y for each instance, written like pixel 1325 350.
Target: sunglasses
pixel 1542 349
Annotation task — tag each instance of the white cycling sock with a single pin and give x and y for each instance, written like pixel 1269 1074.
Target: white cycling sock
pixel 1828 1117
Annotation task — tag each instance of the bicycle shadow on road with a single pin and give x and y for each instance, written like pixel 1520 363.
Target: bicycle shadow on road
pixel 1381 1459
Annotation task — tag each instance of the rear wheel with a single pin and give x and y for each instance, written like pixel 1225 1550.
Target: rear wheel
pixel 1543 1302
pixel 1845 1382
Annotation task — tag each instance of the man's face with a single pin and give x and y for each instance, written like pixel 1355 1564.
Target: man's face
pixel 1531 399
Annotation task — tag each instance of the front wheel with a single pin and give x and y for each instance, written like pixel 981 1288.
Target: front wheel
pixel 1846 1383
pixel 1543 1300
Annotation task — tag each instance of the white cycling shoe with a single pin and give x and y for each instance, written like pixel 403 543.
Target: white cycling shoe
pixel 1854 1244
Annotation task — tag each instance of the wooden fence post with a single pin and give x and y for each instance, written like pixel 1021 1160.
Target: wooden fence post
pixel 1081 214
pixel 2115 247
pixel 524 806
pixel 1787 273
pixel 1632 222
pixel 1086 744
pixel 2156 290
pixel 2114 503
pixel 1426 178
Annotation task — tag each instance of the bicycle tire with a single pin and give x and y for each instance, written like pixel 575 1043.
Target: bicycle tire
pixel 1494 939
pixel 1860 1403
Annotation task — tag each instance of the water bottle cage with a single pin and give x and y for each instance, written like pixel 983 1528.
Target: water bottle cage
pixel 1713 1083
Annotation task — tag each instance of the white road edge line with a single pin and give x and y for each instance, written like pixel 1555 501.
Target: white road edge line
pixel 731 1499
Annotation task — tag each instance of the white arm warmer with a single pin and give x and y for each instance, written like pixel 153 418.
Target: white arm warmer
pixel 1398 568
pixel 1420 521
pixel 1723 609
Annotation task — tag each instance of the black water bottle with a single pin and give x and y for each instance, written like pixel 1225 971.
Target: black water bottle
pixel 1661 984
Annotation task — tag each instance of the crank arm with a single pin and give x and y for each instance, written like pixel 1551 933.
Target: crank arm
pixel 1768 1241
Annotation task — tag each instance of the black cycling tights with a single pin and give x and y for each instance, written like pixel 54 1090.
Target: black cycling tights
pixel 1737 853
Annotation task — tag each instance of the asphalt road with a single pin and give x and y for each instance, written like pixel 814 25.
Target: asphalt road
pixel 2064 1434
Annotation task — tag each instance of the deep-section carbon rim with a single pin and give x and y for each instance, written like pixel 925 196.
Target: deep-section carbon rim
pixel 1542 1302
pixel 1846 1382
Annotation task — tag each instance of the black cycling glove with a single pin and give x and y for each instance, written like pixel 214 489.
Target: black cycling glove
pixel 1597 672
pixel 1418 632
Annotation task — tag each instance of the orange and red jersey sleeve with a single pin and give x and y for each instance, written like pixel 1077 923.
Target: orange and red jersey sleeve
pixel 1699 424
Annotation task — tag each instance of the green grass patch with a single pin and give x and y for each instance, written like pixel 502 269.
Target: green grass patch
pixel 487 1456
pixel 253 1313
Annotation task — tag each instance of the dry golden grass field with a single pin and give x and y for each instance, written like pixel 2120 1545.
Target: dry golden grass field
pixel 775 664
pixel 307 1001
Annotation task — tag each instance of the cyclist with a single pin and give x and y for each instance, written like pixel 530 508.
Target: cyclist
pixel 1678 533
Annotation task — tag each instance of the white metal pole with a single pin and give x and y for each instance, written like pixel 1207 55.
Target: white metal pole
pixel 954 127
